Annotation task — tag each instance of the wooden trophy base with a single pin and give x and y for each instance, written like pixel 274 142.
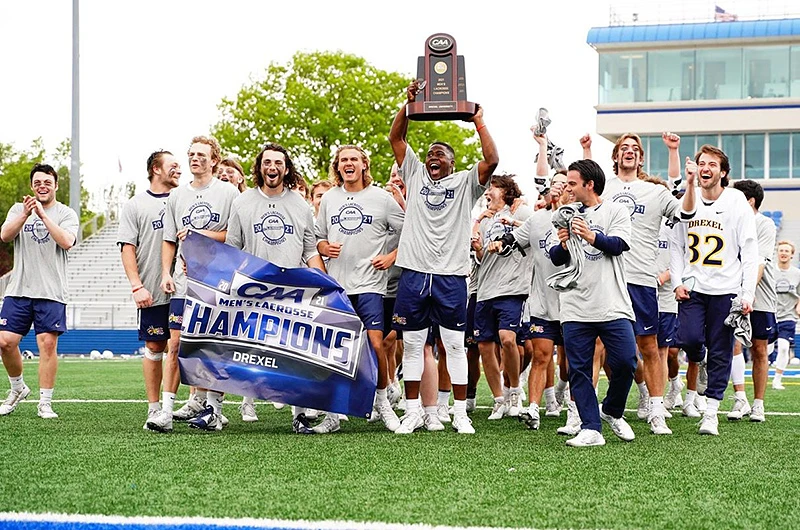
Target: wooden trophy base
pixel 441 110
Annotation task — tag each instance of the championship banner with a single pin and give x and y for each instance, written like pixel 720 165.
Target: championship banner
pixel 252 328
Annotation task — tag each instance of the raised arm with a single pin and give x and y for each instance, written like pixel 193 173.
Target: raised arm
pixel 490 160
pixel 586 145
pixel 673 143
pixel 688 197
pixel 542 169
pixel 397 134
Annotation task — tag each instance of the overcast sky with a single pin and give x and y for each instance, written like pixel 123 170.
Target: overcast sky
pixel 153 72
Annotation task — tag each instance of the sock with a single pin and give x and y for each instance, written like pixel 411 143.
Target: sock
pixel 413 405
pixel 549 397
pixel 776 380
pixel 561 384
pixel 740 393
pixel 657 406
pixel 500 399
pixel 430 410
pixel 154 406
pixel 691 395
pixel 713 406
pixel 459 407
pixel 168 401
pixel 16 383
pixel 758 402
pixel 515 390
pixel 214 400
pixel 249 401
pixel 443 398
pixel 45 395
pixel 642 388
pixel 200 395
pixel 737 370
pixel 674 380
pixel 506 390
pixel 380 395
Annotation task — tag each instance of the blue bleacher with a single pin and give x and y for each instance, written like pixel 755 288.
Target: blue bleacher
pixel 776 216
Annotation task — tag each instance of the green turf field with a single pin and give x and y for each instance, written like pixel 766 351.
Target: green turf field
pixel 97 459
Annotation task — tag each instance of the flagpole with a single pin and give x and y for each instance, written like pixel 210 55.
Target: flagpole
pixel 75 141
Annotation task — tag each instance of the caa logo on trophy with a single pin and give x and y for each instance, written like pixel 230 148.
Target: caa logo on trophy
pixel 443 86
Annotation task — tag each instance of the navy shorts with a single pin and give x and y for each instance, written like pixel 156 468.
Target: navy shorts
pixel 546 329
pixel 424 299
pixel 176 313
pixel 786 330
pixel 388 311
pixel 764 326
pixel 645 307
pixel 369 308
pixel 524 332
pixel 46 316
pixel 433 336
pixel 469 335
pixel 667 330
pixel 154 323
pixel 495 314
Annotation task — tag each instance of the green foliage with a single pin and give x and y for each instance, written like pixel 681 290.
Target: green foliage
pixel 322 100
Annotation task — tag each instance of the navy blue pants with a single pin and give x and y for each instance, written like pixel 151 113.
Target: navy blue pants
pixel 701 320
pixel 620 344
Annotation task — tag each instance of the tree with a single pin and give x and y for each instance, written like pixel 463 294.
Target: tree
pixel 321 100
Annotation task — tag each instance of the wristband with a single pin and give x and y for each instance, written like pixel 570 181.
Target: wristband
pixel 481 126
pixel 137 288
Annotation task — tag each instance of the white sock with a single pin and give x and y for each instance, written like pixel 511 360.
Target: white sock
pixel 549 397
pixel 561 384
pixel 248 400
pixel 737 370
pixel 757 402
pixel 500 399
pixel 168 401
pixel 642 388
pixel 200 395
pixel 459 407
pixel 45 395
pixel 18 384
pixel 443 398
pixel 691 395
pixel 413 405
pixel 214 400
pixel 712 406
pixel 430 410
pixel 657 405
pixel 154 406
pixel 515 390
pixel 740 393
pixel 506 391
pixel 776 380
pixel 380 395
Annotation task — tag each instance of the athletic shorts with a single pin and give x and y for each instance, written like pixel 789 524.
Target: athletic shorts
pixel 433 336
pixel 369 308
pixel 667 330
pixel 495 314
pixel 524 332
pixel 469 335
pixel 424 299
pixel 388 311
pixel 786 330
pixel 154 323
pixel 645 307
pixel 19 313
pixel 546 329
pixel 764 326
pixel 176 313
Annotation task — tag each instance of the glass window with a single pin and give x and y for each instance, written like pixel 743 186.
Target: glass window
pixel 754 156
pixel 766 70
pixel 732 146
pixel 719 73
pixel 796 155
pixel 688 146
pixel 779 155
pixel 795 73
pixel 658 157
pixel 623 77
pixel 670 75
pixel 710 139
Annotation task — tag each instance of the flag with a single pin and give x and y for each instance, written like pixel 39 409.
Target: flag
pixel 119 163
pixel 720 15
pixel 291 336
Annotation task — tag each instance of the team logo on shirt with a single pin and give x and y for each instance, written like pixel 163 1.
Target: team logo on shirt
pixel 158 224
pixel 200 216
pixel 273 228
pixel 628 200
pixel 496 229
pixel 436 196
pixel 351 219
pixel 547 242
pixel 592 253
pixel 38 231
pixel 783 286
pixel 664 245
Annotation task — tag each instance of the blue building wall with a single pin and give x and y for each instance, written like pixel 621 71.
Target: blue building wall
pixel 85 340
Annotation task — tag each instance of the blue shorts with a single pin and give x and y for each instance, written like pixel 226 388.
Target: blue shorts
pixel 645 307
pixel 667 330
pixel 154 323
pixel 495 314
pixel 424 299
pixel 388 310
pixel 524 332
pixel 469 335
pixel 546 329
pixel 786 330
pixel 764 326
pixel 369 308
pixel 176 313
pixel 46 316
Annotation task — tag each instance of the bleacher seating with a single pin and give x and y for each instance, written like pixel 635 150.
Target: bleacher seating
pixel 776 216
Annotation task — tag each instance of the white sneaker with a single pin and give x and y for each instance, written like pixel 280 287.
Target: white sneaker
pixel 757 413
pixel 329 424
pixel 386 414
pixel 442 412
pixel 498 411
pixel 13 399
pixel 394 393
pixel 522 396
pixel 190 410
pixel 514 404
pixel 643 411
pixel 531 417
pixel 411 422
pixel 673 394
pixel 208 420
pixel 587 438
pixel 573 425
pixel 678 401
pixel 701 403
pixel 658 425
pixel 150 414
pixel 470 404
pixel 709 425
pixel 552 410
pixel 562 396
pixel 619 427
pixel 776 385
pixel 402 404
pixel 278 406
pixel 45 410
pixel 248 412
pixel 462 424
pixel 312 414
pixel 690 410
pixel 223 419
pixel 741 408
pixel 161 421
pixel 432 422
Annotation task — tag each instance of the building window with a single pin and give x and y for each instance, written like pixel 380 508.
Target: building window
pixel 732 146
pixel 754 156
pixel 623 77
pixel 795 155
pixel 670 75
pixel 766 70
pixel 657 157
pixel 794 71
pixel 710 139
pixel 779 155
pixel 719 73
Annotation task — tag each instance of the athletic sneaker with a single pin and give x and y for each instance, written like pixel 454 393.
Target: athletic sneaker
pixel 432 422
pixel 587 438
pixel 701 403
pixel 741 408
pixel 690 410
pixel 208 420
pixel 401 405
pixel 150 414
pixel 678 401
pixel 514 404
pixel 394 393
pixel 301 425
pixel 530 417
pixel 673 394
pixel 224 419
pixel 45 410
pixel 328 425
pixel 161 421
pixel 667 414
pixel 562 396
pixel 470 404
pixel 385 413
pixel 522 396
pixel 248 412
pixel 190 410
pixel 462 424
pixel 498 410
pixel 552 410
pixel 312 414
pixel 13 399
pixel 619 426
pixel 442 412
pixel 757 413
pixel 709 425
pixel 573 425
pixel 776 385
pixel 411 422
pixel 643 411
pixel 658 425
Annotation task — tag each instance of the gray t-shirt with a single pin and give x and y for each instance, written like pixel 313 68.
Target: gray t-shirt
pixel 766 297
pixel 787 284
pixel 646 203
pixel 394 271
pixel 40 265
pixel 360 222
pixel 666 296
pixel 539 235
pixel 436 233
pixel 602 292
pixel 279 229
pixel 205 208
pixel 498 275
pixel 141 225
